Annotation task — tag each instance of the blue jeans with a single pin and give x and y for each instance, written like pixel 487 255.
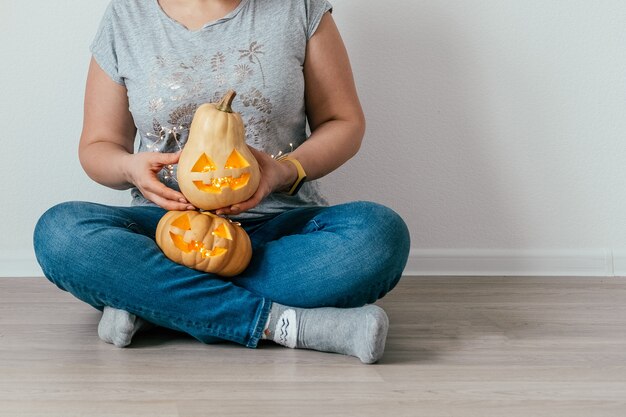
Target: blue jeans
pixel 340 256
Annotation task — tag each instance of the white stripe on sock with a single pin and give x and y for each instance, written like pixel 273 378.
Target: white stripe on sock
pixel 286 330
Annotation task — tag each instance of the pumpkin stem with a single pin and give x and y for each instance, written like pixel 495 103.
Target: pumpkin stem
pixel 226 101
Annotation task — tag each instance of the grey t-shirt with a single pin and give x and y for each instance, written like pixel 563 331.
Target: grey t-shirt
pixel 258 50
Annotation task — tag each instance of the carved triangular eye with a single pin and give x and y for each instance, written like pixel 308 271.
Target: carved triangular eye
pixel 236 160
pixel 204 164
pixel 222 231
pixel 182 222
pixel 180 243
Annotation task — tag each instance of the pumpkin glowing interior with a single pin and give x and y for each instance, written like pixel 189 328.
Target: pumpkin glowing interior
pixel 183 223
pixel 216 167
pixel 205 164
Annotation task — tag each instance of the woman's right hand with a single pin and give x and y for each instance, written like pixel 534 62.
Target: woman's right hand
pixel 142 169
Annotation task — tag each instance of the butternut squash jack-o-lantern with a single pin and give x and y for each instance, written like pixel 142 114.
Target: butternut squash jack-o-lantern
pixel 204 241
pixel 216 169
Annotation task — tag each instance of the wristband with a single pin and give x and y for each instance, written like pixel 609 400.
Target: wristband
pixel 301 175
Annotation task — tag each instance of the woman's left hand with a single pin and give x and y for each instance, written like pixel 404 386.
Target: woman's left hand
pixel 275 176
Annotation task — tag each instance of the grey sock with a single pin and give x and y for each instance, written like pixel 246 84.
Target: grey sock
pixel 118 326
pixel 359 332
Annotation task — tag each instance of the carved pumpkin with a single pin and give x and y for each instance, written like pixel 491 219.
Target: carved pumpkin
pixel 204 241
pixel 216 169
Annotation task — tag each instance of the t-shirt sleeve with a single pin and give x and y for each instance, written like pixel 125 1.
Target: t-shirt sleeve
pixel 315 11
pixel 103 47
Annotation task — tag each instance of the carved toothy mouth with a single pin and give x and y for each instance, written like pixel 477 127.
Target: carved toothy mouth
pixel 217 184
pixel 194 246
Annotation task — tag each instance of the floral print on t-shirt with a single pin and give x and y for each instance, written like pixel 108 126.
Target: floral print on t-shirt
pixel 187 82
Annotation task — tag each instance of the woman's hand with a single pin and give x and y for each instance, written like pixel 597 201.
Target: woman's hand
pixel 275 176
pixel 142 169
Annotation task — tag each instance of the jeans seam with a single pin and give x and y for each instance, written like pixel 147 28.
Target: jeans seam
pixel 176 320
pixel 317 225
pixel 259 325
pixel 132 226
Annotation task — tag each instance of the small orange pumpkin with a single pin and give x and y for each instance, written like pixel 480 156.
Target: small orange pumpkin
pixel 216 169
pixel 204 241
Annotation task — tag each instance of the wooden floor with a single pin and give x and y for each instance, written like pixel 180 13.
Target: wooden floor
pixel 457 347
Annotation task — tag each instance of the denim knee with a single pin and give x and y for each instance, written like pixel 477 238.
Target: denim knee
pixel 50 226
pixel 55 229
pixel 385 235
pixel 387 232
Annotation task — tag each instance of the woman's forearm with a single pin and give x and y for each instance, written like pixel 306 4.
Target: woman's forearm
pixel 330 146
pixel 106 163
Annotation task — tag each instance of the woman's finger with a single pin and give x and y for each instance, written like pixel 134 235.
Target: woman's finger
pixel 166 197
pixel 166 158
pixel 252 202
pixel 164 191
pixel 165 203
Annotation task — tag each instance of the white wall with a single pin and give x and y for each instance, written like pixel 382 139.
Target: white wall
pixel 496 128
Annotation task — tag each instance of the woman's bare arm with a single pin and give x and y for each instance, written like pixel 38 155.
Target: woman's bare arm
pixel 334 113
pixel 106 144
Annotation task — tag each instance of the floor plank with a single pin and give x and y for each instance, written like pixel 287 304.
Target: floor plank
pixel 457 346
